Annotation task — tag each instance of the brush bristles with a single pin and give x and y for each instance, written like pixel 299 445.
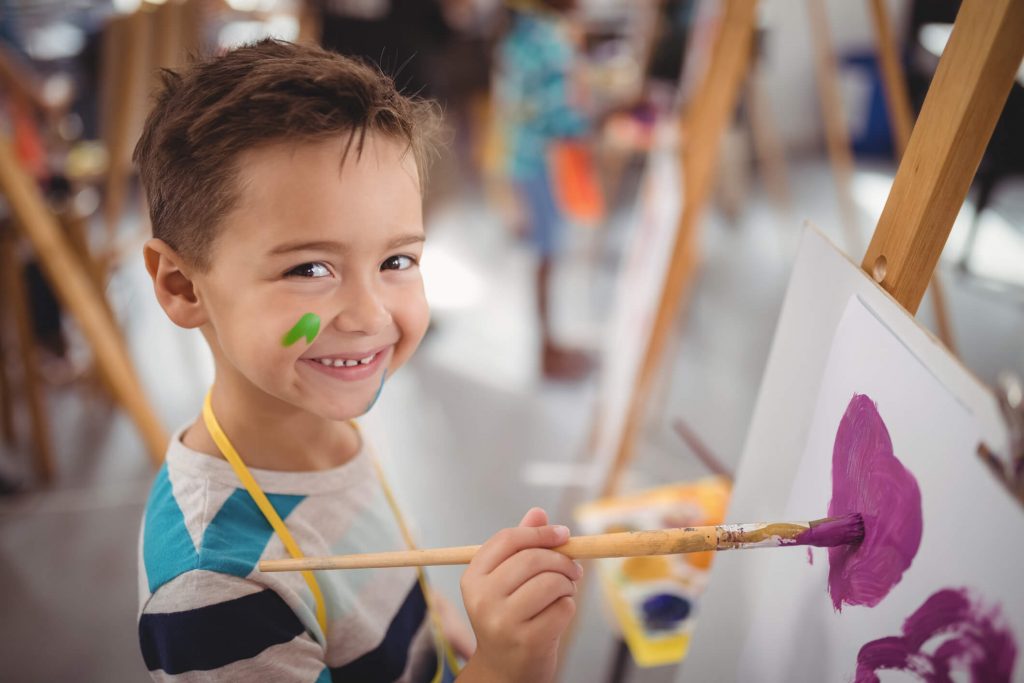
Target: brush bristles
pixel 834 531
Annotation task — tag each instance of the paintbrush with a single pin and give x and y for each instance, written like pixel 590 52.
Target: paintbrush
pixel 823 533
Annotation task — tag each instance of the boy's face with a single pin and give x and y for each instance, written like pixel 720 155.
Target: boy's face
pixel 310 236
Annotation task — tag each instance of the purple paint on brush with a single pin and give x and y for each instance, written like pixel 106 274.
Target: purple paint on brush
pixel 961 635
pixel 835 532
pixel 867 478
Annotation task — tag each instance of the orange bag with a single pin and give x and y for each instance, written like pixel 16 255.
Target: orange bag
pixel 575 181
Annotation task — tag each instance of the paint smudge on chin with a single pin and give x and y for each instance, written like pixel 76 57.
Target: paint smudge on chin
pixel 967 638
pixel 867 478
pixel 379 389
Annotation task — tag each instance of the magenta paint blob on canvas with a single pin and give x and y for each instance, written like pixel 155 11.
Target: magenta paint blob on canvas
pixel 869 479
pixel 952 632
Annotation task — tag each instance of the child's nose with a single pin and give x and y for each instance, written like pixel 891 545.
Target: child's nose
pixel 362 310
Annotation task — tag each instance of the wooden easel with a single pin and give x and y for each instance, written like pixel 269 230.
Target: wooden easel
pixel 78 294
pixel 901 119
pixel 955 124
pixel 15 303
pixel 838 137
pixel 702 127
pixel 135 46
pixel 124 68
pixel 942 155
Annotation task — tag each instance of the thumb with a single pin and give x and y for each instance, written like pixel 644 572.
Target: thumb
pixel 535 517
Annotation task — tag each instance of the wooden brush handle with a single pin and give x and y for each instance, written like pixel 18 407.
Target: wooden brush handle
pixel 626 544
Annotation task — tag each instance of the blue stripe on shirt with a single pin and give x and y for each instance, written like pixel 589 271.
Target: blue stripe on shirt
pixel 235 539
pixel 216 635
pixel 387 661
pixel 167 547
pixel 231 544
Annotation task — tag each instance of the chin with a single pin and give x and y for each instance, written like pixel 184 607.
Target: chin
pixel 340 412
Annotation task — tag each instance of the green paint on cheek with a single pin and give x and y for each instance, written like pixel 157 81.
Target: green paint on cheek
pixel 308 327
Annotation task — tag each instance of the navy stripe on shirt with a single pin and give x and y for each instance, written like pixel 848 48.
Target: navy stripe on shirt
pixel 216 635
pixel 387 661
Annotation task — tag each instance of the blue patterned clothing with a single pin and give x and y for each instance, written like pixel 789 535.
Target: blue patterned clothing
pixel 535 60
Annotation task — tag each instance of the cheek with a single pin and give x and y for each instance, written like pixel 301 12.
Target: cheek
pixel 412 316
pixel 251 337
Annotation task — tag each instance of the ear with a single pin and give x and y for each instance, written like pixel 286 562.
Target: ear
pixel 173 285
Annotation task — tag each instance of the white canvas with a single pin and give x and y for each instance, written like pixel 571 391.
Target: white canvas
pixel 767 615
pixel 796 635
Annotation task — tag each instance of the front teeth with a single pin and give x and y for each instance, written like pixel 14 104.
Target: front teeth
pixel 340 363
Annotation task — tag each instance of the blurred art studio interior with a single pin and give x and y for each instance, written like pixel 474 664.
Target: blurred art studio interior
pixel 666 241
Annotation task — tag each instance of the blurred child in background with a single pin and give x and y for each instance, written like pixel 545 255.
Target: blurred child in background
pixel 540 106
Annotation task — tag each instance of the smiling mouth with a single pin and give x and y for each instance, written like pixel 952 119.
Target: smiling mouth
pixel 350 365
pixel 335 362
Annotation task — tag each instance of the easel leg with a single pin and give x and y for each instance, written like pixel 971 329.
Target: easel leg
pixel 75 228
pixel 768 147
pixel 902 120
pixel 704 125
pixel 79 297
pixel 6 396
pixel 967 93
pixel 837 134
pixel 124 48
pixel 14 287
pixel 620 666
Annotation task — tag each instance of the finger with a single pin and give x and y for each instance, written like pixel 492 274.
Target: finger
pixel 537 594
pixel 524 565
pixel 554 619
pixel 535 517
pixel 508 542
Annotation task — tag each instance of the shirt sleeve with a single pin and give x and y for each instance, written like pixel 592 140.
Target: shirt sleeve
pixel 207 626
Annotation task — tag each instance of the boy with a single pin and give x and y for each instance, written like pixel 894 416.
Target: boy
pixel 285 196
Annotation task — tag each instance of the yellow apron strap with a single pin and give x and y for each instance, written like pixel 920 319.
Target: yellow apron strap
pixel 229 453
pixel 445 652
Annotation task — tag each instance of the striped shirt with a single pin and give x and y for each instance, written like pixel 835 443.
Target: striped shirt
pixel 206 613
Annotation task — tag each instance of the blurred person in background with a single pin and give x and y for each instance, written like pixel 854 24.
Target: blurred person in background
pixel 540 105
pixel 402 37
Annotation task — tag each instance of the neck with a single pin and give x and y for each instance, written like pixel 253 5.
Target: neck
pixel 271 434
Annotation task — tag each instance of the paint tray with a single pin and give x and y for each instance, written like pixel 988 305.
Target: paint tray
pixel 653 600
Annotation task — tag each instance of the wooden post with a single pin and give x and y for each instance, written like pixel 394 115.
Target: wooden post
pixel 897 99
pixel 768 145
pixel 703 126
pixel 901 117
pixel 837 134
pixel 79 296
pixel 6 395
pixel 168 48
pixel 17 301
pixel 960 111
pixel 124 63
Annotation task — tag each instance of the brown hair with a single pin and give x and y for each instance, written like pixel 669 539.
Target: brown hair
pixel 270 91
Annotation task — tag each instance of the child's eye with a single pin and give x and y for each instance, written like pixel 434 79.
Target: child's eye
pixel 311 270
pixel 398 263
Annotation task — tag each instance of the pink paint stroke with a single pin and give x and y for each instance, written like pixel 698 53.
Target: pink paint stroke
pixel 961 635
pixel 869 479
